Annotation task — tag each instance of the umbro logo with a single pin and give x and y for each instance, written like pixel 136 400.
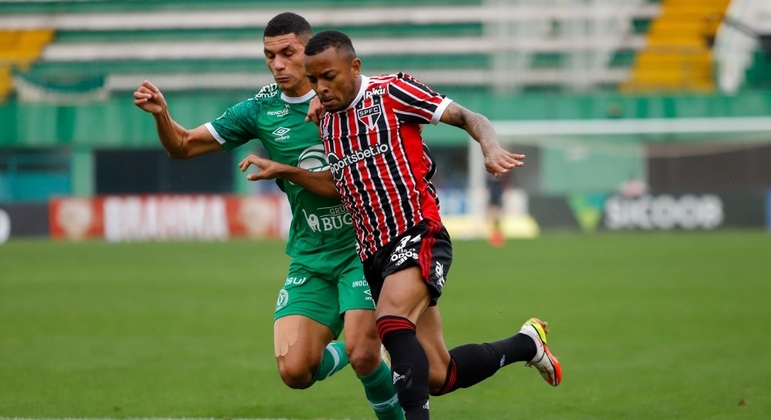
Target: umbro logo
pixel 281 133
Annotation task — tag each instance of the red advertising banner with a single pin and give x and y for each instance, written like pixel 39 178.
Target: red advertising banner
pixel 166 217
pixel 75 218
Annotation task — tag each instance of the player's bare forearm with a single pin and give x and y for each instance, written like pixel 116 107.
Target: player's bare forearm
pixel 497 160
pixel 476 125
pixel 179 142
pixel 170 134
pixel 317 182
pixel 150 99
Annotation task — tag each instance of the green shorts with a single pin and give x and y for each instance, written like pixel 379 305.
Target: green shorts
pixel 323 287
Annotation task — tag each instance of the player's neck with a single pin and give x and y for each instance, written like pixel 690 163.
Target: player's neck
pixel 301 90
pixel 355 93
pixel 358 85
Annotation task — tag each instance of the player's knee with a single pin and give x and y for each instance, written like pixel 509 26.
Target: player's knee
pixel 296 376
pixel 363 356
pixel 435 383
pixel 438 374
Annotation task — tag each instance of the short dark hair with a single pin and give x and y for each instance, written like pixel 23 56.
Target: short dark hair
pixel 330 39
pixel 289 23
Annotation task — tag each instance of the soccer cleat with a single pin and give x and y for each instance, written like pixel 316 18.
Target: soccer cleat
pixel 544 361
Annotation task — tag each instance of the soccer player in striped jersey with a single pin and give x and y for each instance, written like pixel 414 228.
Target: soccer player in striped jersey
pixel 325 290
pixel 496 186
pixel 382 170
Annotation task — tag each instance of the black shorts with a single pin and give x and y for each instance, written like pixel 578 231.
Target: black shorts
pixel 426 245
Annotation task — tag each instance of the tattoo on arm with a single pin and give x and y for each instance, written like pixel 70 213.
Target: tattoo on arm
pixel 453 115
pixel 477 125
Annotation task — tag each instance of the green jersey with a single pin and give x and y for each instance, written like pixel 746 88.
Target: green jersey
pixel 278 121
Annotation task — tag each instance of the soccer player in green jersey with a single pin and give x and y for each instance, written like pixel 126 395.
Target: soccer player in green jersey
pixel 325 290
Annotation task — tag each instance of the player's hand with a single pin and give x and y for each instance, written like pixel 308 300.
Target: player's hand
pixel 268 168
pixel 149 98
pixel 499 161
pixel 315 111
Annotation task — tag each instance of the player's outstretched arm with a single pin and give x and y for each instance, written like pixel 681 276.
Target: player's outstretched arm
pixel 179 142
pixel 317 182
pixel 497 159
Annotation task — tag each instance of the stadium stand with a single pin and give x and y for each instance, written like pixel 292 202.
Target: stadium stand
pixel 18 50
pixel 557 76
pixel 677 55
pixel 6 81
pixel 501 45
pixel 743 46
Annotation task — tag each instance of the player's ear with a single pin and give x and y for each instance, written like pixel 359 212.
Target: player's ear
pixel 355 66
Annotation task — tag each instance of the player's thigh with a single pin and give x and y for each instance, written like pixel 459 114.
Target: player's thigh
pixel 352 288
pixel 309 294
pixel 429 331
pixel 306 319
pixel 358 309
pixel 413 268
pixel 404 293
pixel 361 329
pixel 355 300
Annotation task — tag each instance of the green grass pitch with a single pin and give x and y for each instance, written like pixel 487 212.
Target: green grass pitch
pixel 647 326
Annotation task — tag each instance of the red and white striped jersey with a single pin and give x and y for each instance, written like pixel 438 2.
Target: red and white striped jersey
pixel 381 166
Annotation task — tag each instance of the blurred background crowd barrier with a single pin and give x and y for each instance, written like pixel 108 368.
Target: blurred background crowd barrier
pixel 634 114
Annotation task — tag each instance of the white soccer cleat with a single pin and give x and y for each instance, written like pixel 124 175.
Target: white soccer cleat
pixel 544 361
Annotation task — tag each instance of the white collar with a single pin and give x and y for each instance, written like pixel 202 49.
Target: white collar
pixel 298 99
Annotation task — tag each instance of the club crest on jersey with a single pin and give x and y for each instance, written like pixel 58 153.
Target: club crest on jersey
pixel 313 159
pixel 369 116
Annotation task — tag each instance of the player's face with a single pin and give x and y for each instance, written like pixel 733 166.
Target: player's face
pixel 334 77
pixel 285 56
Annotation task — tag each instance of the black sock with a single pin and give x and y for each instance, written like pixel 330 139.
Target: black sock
pixel 473 363
pixel 409 364
pixel 517 348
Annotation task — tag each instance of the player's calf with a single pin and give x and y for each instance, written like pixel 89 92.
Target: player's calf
pixel 409 364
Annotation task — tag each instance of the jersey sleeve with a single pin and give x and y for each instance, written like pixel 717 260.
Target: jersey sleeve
pixel 237 125
pixel 416 102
